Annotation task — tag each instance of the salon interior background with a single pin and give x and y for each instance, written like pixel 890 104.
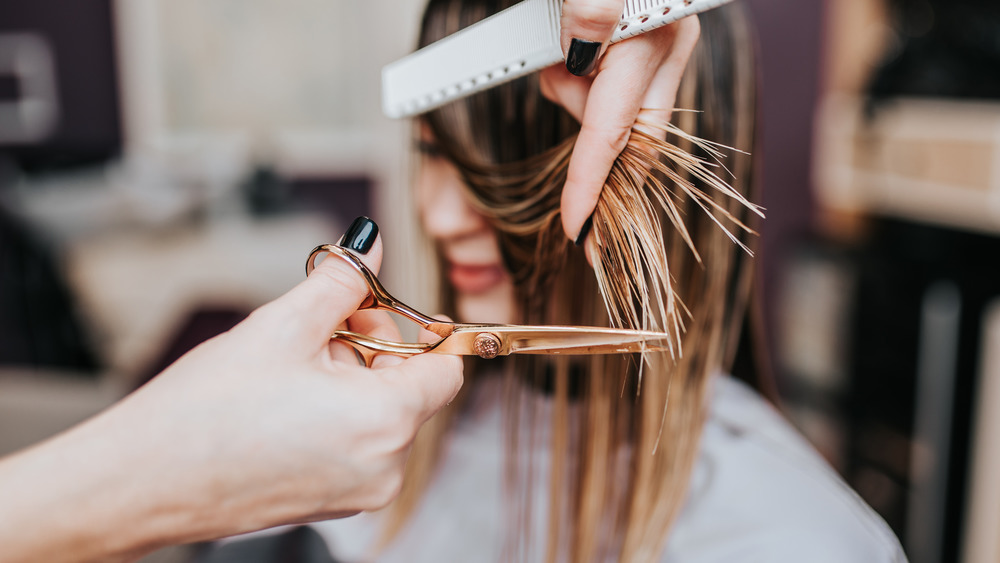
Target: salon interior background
pixel 165 165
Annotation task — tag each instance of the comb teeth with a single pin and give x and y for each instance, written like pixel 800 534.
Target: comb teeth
pixel 510 44
pixel 515 42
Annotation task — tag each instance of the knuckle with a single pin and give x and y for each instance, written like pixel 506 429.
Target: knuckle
pixel 415 406
pixel 684 36
pixel 397 420
pixel 448 380
pixel 594 13
pixel 431 381
pixel 456 366
pixel 337 279
pixel 610 136
pixel 691 27
pixel 688 36
pixel 271 315
pixel 401 429
pixel 388 488
pixel 386 418
pixel 546 87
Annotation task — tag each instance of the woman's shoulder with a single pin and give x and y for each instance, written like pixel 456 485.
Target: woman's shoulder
pixel 759 491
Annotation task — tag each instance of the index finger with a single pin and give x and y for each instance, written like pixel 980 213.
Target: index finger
pixel 380 325
pixel 428 381
pixel 610 111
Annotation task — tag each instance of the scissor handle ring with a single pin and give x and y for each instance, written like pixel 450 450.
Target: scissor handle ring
pixel 378 297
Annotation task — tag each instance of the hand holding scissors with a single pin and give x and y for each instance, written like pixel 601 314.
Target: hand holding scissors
pixel 484 340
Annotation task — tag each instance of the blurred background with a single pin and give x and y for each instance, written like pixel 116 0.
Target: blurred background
pixel 165 167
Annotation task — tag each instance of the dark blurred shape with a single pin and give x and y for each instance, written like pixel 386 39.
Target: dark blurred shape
pixel 789 34
pixel 10 88
pixel 59 102
pixel 268 192
pixel 921 298
pixel 341 199
pixel 949 48
pixel 298 545
pixel 38 322
pixel 901 398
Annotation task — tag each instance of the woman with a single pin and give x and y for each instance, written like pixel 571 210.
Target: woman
pixel 605 458
pixel 659 458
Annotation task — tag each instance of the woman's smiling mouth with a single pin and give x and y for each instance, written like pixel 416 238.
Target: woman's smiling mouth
pixel 472 279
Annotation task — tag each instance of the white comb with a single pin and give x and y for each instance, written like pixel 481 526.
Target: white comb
pixel 515 42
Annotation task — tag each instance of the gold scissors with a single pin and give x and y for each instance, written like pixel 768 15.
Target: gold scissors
pixel 484 340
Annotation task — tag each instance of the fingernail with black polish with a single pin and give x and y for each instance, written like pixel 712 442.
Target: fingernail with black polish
pixel 582 56
pixel 584 231
pixel 360 236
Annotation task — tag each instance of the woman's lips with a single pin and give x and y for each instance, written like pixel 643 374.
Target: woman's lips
pixel 474 279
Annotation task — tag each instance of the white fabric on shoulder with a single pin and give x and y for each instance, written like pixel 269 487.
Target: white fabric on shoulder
pixel 760 492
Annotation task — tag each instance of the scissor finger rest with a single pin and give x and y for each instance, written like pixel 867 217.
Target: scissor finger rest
pixel 369 346
pixel 378 297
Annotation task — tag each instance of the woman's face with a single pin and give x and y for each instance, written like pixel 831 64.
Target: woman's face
pixel 473 264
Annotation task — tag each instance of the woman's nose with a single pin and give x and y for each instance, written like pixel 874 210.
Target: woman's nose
pixel 446 211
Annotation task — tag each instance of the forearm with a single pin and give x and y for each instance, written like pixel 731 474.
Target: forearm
pixel 84 496
pixel 257 427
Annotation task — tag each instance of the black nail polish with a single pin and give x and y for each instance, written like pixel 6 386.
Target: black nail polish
pixel 582 57
pixel 360 236
pixel 584 231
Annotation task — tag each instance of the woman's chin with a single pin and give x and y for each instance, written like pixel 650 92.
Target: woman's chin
pixel 494 304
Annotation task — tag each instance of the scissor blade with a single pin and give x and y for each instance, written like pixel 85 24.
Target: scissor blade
pixel 568 340
pixel 583 340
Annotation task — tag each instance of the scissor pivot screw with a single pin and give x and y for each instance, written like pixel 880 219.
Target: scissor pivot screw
pixel 486 346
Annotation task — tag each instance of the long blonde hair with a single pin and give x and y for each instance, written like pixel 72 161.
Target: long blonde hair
pixel 665 259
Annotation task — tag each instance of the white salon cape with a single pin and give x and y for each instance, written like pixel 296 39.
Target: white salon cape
pixel 759 493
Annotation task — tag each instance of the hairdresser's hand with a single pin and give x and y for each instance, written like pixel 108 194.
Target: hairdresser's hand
pixel 604 88
pixel 263 425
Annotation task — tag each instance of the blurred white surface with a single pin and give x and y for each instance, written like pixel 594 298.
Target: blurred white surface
pixel 135 290
pixel 298 81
